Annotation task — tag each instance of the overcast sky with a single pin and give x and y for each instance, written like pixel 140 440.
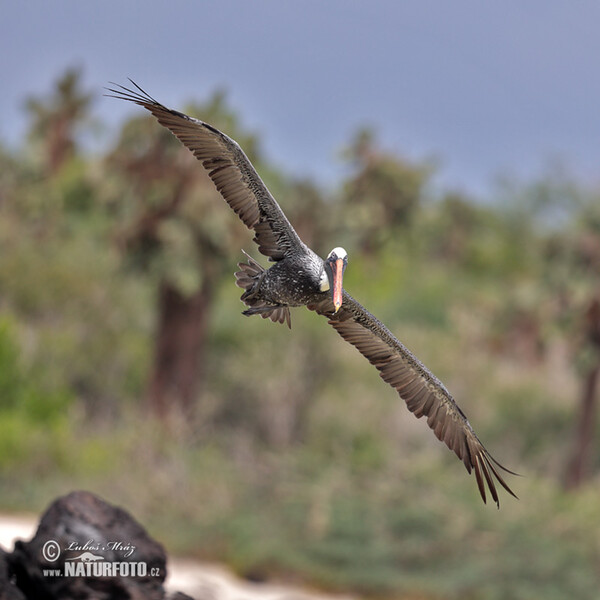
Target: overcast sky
pixel 487 88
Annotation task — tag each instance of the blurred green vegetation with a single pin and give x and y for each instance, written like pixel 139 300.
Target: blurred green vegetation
pixel 295 460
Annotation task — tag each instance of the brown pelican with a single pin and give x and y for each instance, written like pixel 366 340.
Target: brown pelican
pixel 300 277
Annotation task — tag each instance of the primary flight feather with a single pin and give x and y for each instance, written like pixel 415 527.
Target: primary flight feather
pixel 300 277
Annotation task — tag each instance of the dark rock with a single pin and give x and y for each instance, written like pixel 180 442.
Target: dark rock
pixel 8 589
pixel 85 549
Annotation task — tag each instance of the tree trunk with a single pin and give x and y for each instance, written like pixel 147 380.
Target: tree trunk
pixel 179 347
pixel 578 469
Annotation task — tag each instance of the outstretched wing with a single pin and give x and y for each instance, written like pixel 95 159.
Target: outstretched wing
pixel 424 394
pixel 230 170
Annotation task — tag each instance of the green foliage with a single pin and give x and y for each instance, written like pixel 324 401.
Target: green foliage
pixel 33 415
pixel 382 198
pixel 20 391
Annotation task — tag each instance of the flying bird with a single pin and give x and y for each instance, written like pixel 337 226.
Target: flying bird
pixel 300 277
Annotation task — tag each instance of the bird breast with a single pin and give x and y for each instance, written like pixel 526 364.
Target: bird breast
pixel 295 281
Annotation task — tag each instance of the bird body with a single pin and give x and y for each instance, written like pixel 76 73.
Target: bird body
pixel 300 277
pixel 294 281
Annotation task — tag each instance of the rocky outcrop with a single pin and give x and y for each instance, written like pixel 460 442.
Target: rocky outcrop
pixel 85 548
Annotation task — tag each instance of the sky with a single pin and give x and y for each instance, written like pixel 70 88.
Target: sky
pixel 484 89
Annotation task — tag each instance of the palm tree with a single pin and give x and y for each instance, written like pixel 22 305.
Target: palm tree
pixel 57 118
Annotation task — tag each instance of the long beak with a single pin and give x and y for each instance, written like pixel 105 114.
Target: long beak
pixel 337 269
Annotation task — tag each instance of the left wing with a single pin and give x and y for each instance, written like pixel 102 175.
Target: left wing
pixel 424 394
pixel 230 170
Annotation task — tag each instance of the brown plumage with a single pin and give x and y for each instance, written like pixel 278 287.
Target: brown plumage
pixel 300 277
pixel 424 394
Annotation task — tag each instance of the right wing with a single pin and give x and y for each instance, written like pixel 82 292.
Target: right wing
pixel 424 394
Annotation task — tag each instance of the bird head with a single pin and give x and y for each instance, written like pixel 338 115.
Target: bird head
pixel 335 265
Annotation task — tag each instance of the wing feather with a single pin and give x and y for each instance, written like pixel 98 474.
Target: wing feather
pixel 424 394
pixel 231 171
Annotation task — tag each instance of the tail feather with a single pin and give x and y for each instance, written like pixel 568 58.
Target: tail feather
pixel 250 274
pixel 277 314
pixel 248 278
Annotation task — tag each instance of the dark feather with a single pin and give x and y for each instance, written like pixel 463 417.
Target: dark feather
pixel 248 278
pixel 424 394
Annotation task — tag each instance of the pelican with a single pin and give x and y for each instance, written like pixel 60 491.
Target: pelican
pixel 300 277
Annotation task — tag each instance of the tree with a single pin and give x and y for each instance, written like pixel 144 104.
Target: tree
pixel 57 118
pixel 383 195
pixel 578 467
pixel 181 236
